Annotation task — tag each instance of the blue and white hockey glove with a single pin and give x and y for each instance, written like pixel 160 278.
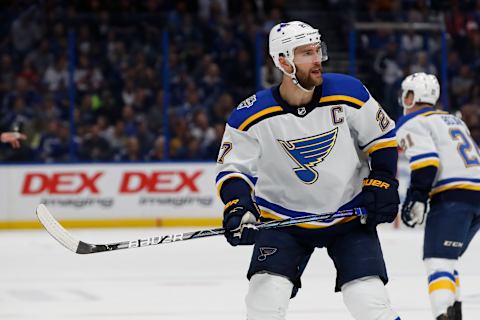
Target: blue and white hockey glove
pixel 239 218
pixel 414 207
pixel 380 198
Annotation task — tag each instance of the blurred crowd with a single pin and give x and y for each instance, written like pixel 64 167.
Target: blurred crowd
pixel 396 54
pixel 118 63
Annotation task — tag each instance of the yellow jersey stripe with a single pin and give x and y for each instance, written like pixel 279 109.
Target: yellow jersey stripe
pixel 258 115
pixel 426 114
pixel 423 164
pixel 382 145
pixel 456 186
pixel 340 97
pixel 442 284
pixel 272 215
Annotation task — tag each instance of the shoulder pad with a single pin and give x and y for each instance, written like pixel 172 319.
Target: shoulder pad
pixel 344 89
pixel 252 110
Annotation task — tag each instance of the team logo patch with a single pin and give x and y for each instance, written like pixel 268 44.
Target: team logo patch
pixel 308 152
pixel 247 103
pixel 282 25
pixel 265 252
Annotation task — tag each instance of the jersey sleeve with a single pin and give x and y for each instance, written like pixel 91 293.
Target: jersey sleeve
pixel 373 127
pixel 238 157
pixel 418 145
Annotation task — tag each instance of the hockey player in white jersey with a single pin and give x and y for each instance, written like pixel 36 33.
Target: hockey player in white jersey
pixel 445 165
pixel 303 148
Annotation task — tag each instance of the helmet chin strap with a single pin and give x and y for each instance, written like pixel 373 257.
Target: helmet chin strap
pixel 294 77
pixel 297 83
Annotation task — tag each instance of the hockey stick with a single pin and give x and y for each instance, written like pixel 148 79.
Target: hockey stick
pixel 68 241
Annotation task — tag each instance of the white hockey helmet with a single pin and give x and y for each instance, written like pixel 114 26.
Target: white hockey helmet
pixel 285 37
pixel 425 89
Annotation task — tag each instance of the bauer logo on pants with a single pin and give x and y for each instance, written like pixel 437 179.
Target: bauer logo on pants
pixel 265 252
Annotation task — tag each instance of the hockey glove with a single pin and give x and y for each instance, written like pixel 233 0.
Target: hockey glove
pixel 414 207
pixel 239 218
pixel 380 198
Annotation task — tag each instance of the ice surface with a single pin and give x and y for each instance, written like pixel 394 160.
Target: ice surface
pixel 198 279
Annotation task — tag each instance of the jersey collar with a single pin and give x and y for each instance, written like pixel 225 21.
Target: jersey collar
pixel 299 111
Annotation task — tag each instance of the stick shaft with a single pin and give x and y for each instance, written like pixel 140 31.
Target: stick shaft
pixel 219 231
pixel 66 239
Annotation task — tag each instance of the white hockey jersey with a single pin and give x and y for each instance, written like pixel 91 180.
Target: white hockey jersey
pixel 435 138
pixel 309 159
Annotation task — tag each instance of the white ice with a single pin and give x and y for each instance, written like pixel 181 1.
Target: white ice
pixel 197 279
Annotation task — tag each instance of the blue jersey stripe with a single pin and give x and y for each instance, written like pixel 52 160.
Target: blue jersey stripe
pixel 279 209
pixel 224 173
pixel 424 155
pixel 389 134
pixel 450 180
pixel 355 202
pixel 438 275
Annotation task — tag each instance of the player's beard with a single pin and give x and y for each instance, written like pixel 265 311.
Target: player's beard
pixel 307 79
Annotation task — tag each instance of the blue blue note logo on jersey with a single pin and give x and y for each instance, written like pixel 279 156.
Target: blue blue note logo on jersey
pixel 308 152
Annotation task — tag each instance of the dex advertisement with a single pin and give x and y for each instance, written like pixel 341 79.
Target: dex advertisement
pixel 110 191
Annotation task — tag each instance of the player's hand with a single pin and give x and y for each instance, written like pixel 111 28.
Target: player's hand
pixel 13 138
pixel 380 199
pixel 414 207
pixel 239 218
